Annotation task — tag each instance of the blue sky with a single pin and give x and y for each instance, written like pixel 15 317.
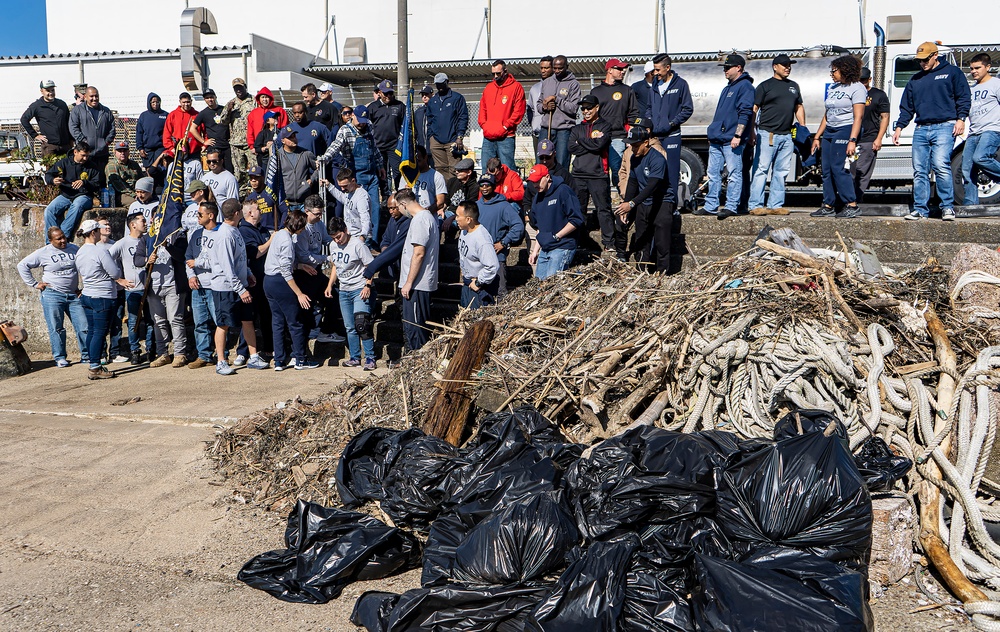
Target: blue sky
pixel 24 30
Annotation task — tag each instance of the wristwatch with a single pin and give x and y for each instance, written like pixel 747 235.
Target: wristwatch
pixel 852 140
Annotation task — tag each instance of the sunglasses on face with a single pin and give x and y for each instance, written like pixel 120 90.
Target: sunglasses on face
pixel 212 162
pixel 587 108
pixel 497 74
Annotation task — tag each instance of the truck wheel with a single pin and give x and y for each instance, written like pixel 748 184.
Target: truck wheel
pixel 692 169
pixel 989 189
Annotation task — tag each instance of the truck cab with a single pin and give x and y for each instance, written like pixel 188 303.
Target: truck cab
pixel 18 163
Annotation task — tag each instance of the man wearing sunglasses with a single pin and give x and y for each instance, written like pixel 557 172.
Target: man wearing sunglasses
pixel 728 134
pixel 940 97
pixel 590 144
pixel 223 183
pixel 501 109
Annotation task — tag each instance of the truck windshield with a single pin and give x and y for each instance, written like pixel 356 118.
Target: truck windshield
pixel 904 69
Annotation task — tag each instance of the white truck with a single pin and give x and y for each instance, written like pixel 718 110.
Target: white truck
pixel 892 64
pixel 18 164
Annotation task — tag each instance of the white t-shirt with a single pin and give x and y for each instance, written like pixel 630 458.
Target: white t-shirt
pixel 840 102
pixel 350 261
pixel 427 187
pixel 224 185
pixel 424 232
pixel 192 172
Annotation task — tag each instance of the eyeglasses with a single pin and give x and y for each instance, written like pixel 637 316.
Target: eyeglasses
pixel 497 74
pixel 924 61
pixel 587 108
pixel 212 162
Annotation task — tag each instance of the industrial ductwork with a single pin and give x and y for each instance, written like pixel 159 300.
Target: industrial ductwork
pixel 195 22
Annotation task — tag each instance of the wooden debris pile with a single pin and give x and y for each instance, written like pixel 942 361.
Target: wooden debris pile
pixel 606 346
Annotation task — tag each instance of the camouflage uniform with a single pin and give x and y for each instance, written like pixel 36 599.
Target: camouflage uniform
pixel 243 156
pixel 121 177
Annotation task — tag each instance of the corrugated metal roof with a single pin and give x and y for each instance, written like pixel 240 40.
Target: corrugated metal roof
pixel 121 53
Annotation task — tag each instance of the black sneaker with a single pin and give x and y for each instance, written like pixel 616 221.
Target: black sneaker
pixel 849 212
pixel 724 213
pixel 824 211
pixel 135 359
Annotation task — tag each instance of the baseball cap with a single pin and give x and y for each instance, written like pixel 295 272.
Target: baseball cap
pixel 537 172
pixel 121 145
pixel 636 135
pixel 427 90
pixel 589 101
pixel 255 171
pixel 385 86
pixel 239 81
pixel 89 226
pixel 614 62
pixel 362 113
pixel 465 164
pixel 732 59
pixel 866 74
pixel 487 178
pixel 208 93
pixel 546 147
pixel 48 83
pixel 640 121
pixel 648 68
pixel 325 87
pixel 440 78
pixel 926 50
pixel 781 60
pixel 198 185
pixel 270 115
pixel 145 184
pixel 286 133
pixel 79 85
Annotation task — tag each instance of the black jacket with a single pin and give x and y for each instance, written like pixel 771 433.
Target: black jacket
pixel 387 120
pixel 459 191
pixel 589 142
pixel 52 119
pixel 618 106
pixel 70 172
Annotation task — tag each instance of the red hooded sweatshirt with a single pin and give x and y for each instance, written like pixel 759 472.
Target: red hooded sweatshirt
pixel 174 129
pixel 255 120
pixel 501 108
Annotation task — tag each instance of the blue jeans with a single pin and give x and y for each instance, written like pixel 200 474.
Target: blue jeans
pixel 203 311
pixel 99 312
pixel 615 153
pixel 133 300
pixel 779 155
pixel 116 327
pixel 553 261
pixel 838 183
pixel 56 306
pixel 561 138
pixel 66 213
pixel 370 185
pixel 351 303
pixel 932 145
pixel 720 155
pixel 980 152
pixel 502 149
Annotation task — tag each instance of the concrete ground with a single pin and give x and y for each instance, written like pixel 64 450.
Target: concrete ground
pixel 112 517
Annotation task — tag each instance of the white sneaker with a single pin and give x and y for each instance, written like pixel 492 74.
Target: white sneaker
pixel 948 215
pixel 120 359
pixel 913 215
pixel 336 339
pixel 240 360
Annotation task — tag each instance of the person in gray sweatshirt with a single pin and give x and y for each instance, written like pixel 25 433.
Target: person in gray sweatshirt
pixel 166 305
pixel 557 104
pixel 477 258
pixel 289 303
pixel 58 290
pixel 297 168
pixel 230 288
pixel 199 274
pixel 130 253
pixel 99 274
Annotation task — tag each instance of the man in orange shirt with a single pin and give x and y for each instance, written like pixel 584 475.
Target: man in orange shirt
pixel 501 109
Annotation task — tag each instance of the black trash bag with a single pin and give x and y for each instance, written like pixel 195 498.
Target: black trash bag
pixel 590 594
pixel 452 608
pixel 804 493
pixel 328 549
pixel 653 604
pixel 779 590
pixel 668 550
pixel 646 475
pixel 811 420
pixel 414 483
pixel 879 466
pixel 525 541
pixel 445 535
pixel 541 433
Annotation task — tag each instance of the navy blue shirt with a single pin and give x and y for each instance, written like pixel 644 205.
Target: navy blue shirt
pixel 653 165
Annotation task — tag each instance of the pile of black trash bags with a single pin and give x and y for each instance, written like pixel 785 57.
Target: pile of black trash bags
pixel 648 530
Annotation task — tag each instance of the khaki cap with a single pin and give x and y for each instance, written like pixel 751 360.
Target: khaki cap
pixel 926 50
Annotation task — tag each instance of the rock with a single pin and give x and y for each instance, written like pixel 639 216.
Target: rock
pixel 14 359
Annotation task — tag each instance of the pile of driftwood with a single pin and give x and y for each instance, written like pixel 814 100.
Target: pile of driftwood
pixel 733 345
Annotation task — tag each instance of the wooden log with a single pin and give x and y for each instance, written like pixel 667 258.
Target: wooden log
pixel 449 410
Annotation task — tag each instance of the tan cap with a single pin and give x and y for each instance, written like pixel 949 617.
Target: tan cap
pixel 239 81
pixel 926 50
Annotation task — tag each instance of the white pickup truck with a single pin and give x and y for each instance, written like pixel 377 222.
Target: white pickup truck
pixel 18 163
